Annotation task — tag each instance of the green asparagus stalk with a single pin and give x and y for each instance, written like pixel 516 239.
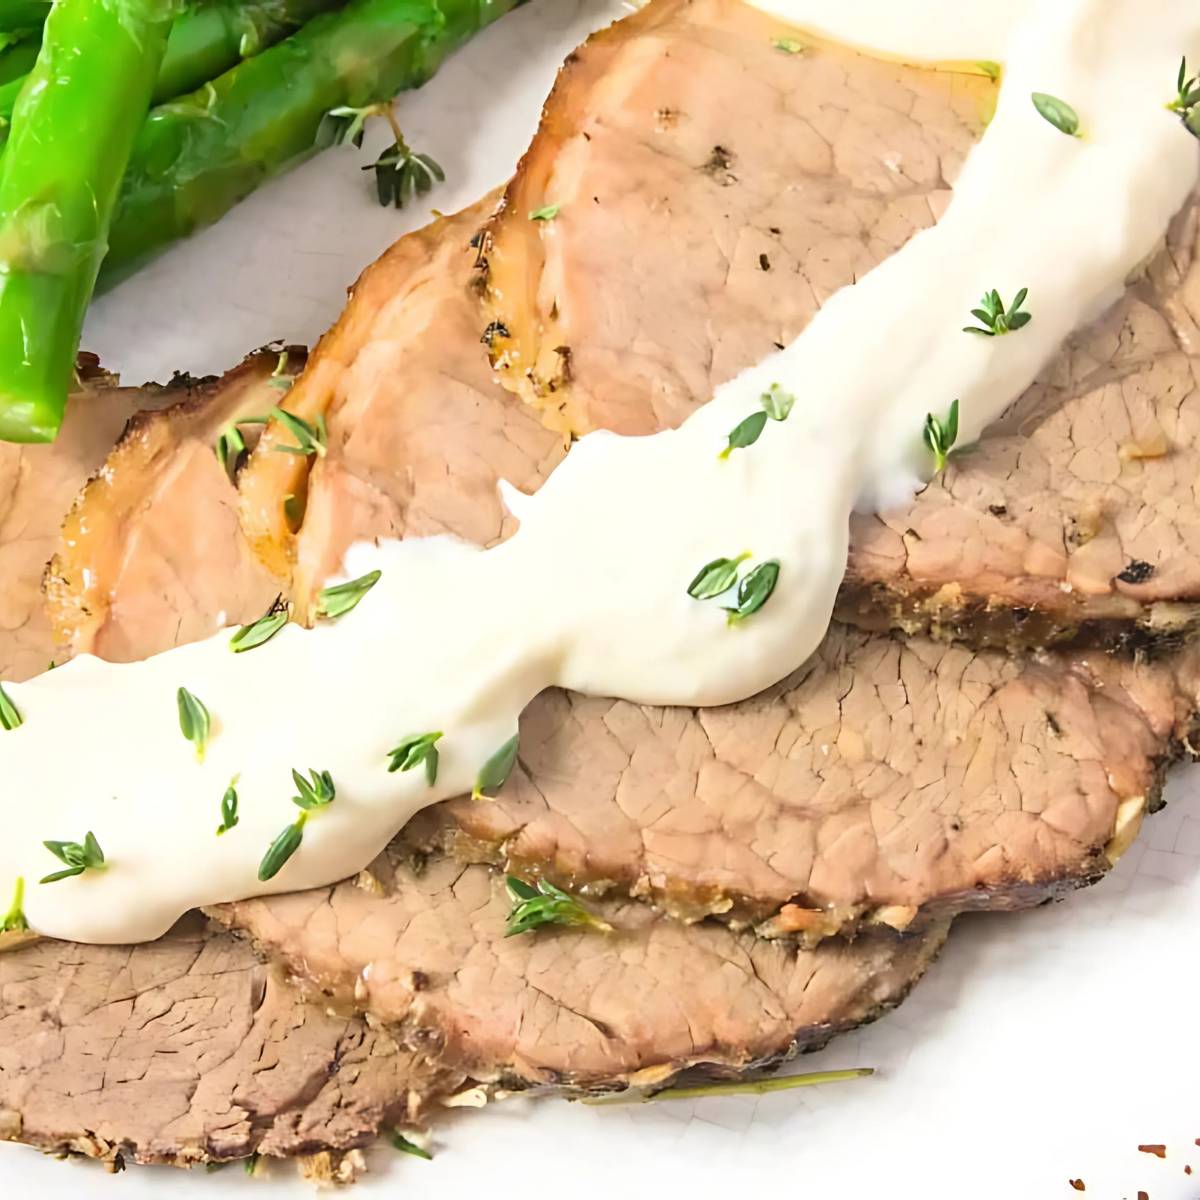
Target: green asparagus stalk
pixel 16 61
pixel 206 40
pixel 196 158
pixel 73 128
pixel 22 17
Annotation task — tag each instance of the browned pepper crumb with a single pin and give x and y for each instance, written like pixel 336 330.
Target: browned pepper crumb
pixel 1157 1149
pixel 1078 1185
pixel 1143 1196
pixel 1187 1170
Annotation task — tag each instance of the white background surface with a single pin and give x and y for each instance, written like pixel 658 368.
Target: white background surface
pixel 1042 1048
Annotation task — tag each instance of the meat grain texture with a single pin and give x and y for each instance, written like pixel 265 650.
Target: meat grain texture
pixel 1075 521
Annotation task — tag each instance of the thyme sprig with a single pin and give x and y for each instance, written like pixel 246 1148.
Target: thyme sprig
pixel 14 920
pixel 940 436
pixel 79 858
pixel 194 721
pixel 229 808
pixel 315 792
pixel 10 715
pixel 263 630
pixel 1188 89
pixel 280 380
pixel 738 1087
pixel 415 750
pixel 775 403
pixel 1058 112
pixel 405 1146
pixel 311 439
pixel 754 591
pixel 401 174
pixel 336 601
pixel 229 448
pixel 543 904
pixel 494 773
pixel 994 319
pixel 716 577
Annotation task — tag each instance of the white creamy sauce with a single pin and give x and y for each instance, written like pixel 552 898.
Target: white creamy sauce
pixel 590 593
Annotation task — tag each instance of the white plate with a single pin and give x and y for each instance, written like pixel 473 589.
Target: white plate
pixel 1042 1048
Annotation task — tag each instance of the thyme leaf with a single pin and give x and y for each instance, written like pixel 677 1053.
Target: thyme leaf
pixel 544 904
pixel 777 403
pixel 989 68
pixel 495 772
pixel 739 1087
pixel 401 175
pixel 317 791
pixel 194 721
pixel 401 1143
pixel 716 577
pixel 10 715
pixel 754 591
pixel 229 448
pixel 280 380
pixel 414 750
pixel 281 849
pixel 788 45
pixel 1188 89
pixel 262 630
pixel 940 436
pixel 1058 112
pixel 229 808
pixel 745 433
pixel 310 439
pixel 994 319
pixel 546 213
pixel 250 1164
pixel 342 598
pixel 78 858
pixel 14 920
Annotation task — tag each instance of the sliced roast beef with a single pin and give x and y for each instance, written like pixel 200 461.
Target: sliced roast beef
pixel 881 782
pixel 189 1050
pixel 711 190
pixel 151 554
pixel 424 952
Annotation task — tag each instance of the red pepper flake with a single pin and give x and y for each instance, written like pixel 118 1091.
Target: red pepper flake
pixel 1078 1185
pixel 1187 1170
pixel 1143 1196
pixel 1158 1150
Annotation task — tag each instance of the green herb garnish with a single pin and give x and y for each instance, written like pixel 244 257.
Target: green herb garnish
pixel 994 319
pixel 745 433
pixel 533 907
pixel 716 577
pixel 1058 112
pixel 401 1143
pixel 546 213
pixel 10 715
pixel 754 591
pixel 340 599
pixel 1188 91
pixel 310 439
pixel 79 858
pixel 420 748
pixel 229 808
pixel 280 380
pixel 281 849
pixel 401 175
pixel 229 448
pixel 14 920
pixel 495 772
pixel 739 1087
pixel 194 721
pixel 250 1165
pixel 777 403
pixel 262 630
pixel 317 791
pixel 788 45
pixel 990 69
pixel 940 436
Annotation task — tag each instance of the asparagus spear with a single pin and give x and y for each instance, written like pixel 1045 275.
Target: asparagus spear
pixel 73 128
pixel 205 41
pixel 195 159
